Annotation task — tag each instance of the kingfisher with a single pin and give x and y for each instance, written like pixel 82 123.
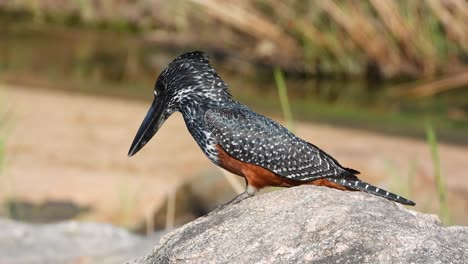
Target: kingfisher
pixel 238 139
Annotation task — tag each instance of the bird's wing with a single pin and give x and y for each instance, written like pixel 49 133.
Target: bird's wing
pixel 258 140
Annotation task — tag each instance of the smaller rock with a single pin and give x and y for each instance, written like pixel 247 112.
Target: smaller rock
pixel 69 242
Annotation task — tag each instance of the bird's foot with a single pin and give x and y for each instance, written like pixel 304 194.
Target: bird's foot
pixel 236 199
pixel 249 192
pixel 240 198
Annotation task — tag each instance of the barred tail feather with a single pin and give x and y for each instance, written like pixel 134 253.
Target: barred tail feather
pixel 368 188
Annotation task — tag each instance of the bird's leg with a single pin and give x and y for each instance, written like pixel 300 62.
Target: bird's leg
pixel 249 192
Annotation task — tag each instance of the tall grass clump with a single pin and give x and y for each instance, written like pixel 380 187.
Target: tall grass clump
pixel 439 179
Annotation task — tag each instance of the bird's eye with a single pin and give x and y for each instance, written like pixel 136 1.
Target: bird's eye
pixel 159 88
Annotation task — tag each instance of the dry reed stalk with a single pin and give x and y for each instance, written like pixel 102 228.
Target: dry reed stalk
pixel 379 38
pixel 390 15
pixel 461 7
pixel 314 35
pixel 251 23
pixel 308 30
pixel 460 13
pixel 455 29
pixel 422 41
pixel 364 35
pixel 433 87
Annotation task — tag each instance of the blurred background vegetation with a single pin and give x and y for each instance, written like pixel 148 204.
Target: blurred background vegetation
pixel 386 66
pixel 341 58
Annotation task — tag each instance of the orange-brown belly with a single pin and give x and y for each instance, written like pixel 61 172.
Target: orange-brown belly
pixel 259 177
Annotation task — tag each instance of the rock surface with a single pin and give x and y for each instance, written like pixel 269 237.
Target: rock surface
pixel 311 224
pixel 69 242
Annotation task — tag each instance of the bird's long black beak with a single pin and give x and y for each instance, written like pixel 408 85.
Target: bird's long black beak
pixel 150 125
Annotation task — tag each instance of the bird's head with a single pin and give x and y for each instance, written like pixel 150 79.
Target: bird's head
pixel 188 81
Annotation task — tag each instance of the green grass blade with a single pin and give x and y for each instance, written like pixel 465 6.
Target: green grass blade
pixel 439 180
pixel 283 96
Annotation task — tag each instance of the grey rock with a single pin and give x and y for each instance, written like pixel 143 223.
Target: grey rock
pixel 310 224
pixel 69 242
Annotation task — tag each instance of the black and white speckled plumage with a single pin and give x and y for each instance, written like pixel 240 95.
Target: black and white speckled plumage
pixel 213 117
pixel 190 85
pixel 256 139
